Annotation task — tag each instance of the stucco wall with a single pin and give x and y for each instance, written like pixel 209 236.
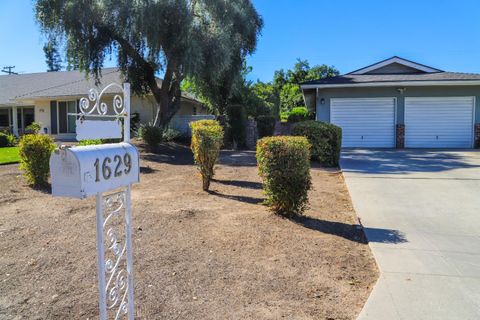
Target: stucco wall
pixel 323 110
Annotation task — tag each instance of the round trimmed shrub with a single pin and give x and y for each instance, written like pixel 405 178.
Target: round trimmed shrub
pixel 35 151
pixel 265 126
pixel 284 166
pixel 297 114
pixel 207 138
pixel 151 135
pixel 325 138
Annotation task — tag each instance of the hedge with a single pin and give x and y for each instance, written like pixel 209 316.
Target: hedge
pixel 207 138
pixel 284 166
pixel 237 119
pixel 35 151
pixel 297 114
pixel 325 138
pixel 265 126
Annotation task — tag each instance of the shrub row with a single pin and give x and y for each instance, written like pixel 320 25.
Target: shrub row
pixel 325 138
pixel 284 166
pixel 207 138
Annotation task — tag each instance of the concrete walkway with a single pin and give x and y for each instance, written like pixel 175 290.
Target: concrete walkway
pixel 421 213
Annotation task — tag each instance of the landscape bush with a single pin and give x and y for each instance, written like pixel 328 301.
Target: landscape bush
pixel 297 114
pixel 265 126
pixel 325 138
pixel 90 142
pixel 33 128
pixel 236 120
pixel 207 137
pixel 284 166
pixel 7 140
pixel 151 135
pixel 170 135
pixel 35 151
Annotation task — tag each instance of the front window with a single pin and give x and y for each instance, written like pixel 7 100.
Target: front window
pixel 4 118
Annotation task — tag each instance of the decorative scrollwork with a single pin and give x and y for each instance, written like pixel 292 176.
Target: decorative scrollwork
pixel 116 272
pixel 101 108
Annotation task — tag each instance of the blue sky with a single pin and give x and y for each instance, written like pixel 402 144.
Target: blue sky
pixel 348 34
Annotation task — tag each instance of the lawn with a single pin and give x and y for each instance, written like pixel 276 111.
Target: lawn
pixel 9 155
pixel 197 255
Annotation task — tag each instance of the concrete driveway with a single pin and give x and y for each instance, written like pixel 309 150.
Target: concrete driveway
pixel 421 213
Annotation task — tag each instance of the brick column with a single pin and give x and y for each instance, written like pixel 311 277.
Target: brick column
pixel 400 136
pixel 477 135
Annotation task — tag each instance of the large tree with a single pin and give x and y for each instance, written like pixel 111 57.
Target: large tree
pixel 204 39
pixel 52 56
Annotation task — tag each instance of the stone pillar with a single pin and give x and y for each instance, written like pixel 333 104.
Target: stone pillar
pixel 251 134
pixel 14 121
pixel 477 135
pixel 400 136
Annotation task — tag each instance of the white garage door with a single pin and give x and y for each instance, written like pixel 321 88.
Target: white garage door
pixel 439 122
pixel 365 122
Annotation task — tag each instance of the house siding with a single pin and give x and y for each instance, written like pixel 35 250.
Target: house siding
pixel 323 110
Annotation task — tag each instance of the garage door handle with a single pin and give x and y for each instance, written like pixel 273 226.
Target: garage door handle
pixel 437 137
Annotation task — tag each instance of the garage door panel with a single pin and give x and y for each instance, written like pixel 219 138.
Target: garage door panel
pixel 364 122
pixel 439 122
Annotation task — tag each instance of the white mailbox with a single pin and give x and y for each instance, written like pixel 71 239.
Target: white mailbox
pixel 79 172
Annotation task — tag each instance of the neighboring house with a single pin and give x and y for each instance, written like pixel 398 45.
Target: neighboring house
pixel 48 97
pixel 400 103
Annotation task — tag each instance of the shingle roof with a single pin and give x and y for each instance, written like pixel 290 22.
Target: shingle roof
pixel 56 84
pixel 382 78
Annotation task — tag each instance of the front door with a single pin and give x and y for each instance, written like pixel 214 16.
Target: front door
pixel 66 122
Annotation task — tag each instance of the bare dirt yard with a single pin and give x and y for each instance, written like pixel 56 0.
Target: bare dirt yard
pixel 198 255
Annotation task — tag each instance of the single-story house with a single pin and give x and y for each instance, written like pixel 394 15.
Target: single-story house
pixel 400 103
pixel 48 97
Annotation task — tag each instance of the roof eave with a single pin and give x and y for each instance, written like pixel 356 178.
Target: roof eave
pixel 395 84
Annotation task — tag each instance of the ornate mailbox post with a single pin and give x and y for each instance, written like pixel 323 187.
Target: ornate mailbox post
pixel 80 172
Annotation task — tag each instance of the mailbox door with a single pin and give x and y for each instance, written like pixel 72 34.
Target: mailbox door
pixel 107 167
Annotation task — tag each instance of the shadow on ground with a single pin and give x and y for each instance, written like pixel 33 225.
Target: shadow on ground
pixel 240 183
pixel 246 199
pixel 180 154
pixel 403 161
pixel 351 232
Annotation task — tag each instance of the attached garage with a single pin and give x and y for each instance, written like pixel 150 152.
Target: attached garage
pixel 398 103
pixel 365 122
pixel 439 122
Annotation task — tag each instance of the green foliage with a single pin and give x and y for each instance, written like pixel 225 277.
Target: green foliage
pixel 207 138
pixel 291 97
pixel 52 56
pixel 284 166
pixel 325 138
pixel 33 128
pixel 287 83
pixel 35 151
pixel 265 126
pixel 9 155
pixel 236 119
pixel 170 134
pixel 297 114
pixel 90 142
pixel 267 94
pixel 204 40
pixel 7 140
pixel 151 135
